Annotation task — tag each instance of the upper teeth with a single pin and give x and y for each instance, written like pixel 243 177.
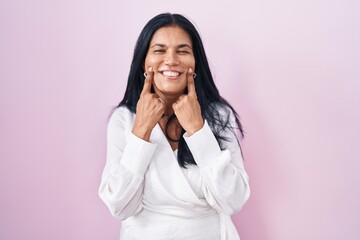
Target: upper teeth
pixel 170 73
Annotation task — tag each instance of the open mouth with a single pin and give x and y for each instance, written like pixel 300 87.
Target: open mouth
pixel 170 73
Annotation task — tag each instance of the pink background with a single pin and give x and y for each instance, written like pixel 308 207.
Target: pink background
pixel 290 68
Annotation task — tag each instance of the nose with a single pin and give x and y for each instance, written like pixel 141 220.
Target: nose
pixel 171 58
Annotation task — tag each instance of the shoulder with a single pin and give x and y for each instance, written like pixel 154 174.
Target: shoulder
pixel 121 115
pixel 221 110
pixel 121 111
pixel 221 117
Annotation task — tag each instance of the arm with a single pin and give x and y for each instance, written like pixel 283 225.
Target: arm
pixel 225 182
pixel 127 159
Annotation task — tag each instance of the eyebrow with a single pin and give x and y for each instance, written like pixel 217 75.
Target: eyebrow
pixel 183 45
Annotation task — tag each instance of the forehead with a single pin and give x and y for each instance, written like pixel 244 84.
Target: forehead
pixel 171 35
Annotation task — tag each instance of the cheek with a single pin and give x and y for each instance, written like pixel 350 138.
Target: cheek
pixel 192 64
pixel 150 61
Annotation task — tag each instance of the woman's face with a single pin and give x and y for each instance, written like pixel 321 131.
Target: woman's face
pixel 170 54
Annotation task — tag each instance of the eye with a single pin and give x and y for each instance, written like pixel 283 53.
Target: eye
pixel 183 52
pixel 159 51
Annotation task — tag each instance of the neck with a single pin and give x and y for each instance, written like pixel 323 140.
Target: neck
pixel 169 100
pixel 168 108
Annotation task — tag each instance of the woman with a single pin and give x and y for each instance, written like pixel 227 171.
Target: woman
pixel 174 167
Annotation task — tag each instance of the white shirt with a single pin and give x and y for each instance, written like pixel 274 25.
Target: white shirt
pixel 143 184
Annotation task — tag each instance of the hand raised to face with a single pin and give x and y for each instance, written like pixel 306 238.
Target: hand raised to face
pixel 187 108
pixel 149 109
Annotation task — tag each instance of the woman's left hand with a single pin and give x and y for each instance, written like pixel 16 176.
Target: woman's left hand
pixel 187 108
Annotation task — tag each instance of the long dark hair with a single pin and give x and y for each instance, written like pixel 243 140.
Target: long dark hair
pixel 211 103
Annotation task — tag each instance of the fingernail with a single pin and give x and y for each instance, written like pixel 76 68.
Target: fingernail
pixel 190 70
pixel 150 69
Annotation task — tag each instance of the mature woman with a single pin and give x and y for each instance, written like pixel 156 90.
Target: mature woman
pixel 174 166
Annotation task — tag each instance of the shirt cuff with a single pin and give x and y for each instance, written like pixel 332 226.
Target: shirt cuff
pixel 137 154
pixel 203 146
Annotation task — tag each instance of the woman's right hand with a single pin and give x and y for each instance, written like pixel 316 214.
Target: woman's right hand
pixel 149 109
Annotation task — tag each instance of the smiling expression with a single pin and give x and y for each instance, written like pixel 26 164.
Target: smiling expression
pixel 170 54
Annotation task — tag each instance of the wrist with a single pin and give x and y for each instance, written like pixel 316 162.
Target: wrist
pixel 142 133
pixel 194 129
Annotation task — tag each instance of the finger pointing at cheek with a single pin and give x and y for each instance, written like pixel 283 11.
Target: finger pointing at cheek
pixel 191 83
pixel 148 109
pixel 187 108
pixel 148 81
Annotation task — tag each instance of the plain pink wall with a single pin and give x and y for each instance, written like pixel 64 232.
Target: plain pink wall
pixel 290 68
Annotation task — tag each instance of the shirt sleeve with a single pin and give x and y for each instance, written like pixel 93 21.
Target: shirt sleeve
pixel 225 181
pixel 127 159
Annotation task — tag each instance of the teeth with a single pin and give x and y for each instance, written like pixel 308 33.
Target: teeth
pixel 170 73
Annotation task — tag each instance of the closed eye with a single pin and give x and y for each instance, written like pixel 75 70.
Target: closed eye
pixel 159 51
pixel 183 52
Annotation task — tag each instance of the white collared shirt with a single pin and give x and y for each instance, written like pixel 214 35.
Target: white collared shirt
pixel 143 184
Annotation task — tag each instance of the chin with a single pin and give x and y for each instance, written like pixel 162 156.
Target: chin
pixel 171 89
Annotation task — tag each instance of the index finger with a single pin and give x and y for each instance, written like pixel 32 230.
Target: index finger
pixel 191 83
pixel 148 81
